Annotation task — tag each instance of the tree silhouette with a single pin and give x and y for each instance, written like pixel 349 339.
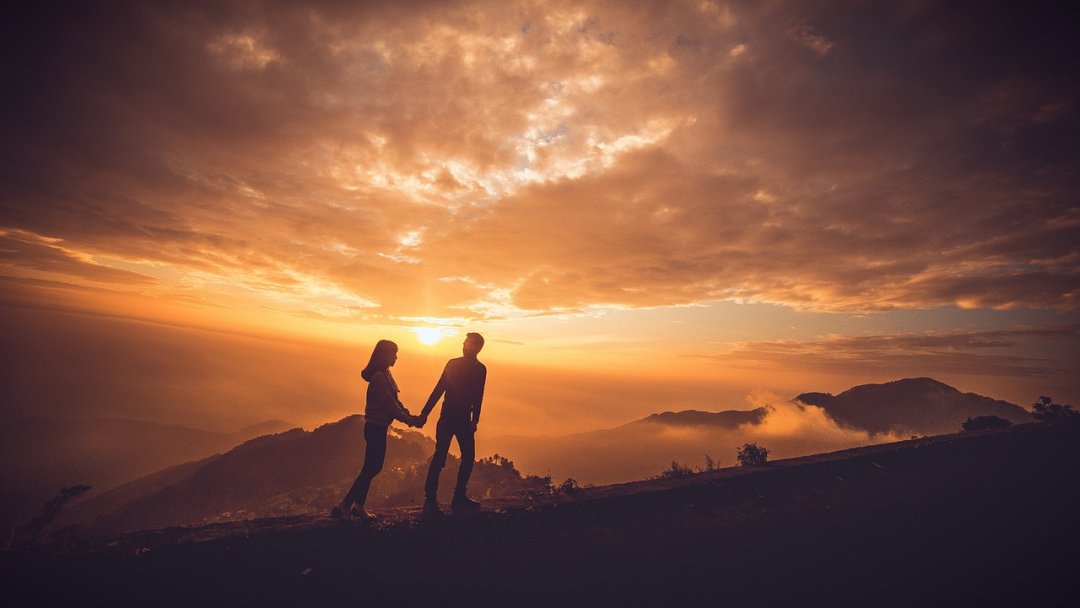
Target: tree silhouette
pixel 570 486
pixel 710 464
pixel 1045 409
pixel 751 454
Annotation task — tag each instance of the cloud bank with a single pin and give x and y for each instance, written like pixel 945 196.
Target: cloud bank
pixel 485 160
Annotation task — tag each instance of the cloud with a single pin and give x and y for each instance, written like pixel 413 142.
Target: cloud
pixel 812 40
pixel 979 353
pixel 25 250
pixel 558 155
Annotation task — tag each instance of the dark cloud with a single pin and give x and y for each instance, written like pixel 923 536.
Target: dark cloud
pixel 19 250
pixel 978 353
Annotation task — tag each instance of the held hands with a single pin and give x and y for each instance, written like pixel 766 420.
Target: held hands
pixel 419 420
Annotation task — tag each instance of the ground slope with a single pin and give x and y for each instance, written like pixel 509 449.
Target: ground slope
pixel 985 517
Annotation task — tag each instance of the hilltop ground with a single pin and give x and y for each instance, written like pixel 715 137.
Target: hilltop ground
pixel 986 517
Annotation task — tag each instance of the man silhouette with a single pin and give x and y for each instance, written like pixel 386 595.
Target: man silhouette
pixel 462 382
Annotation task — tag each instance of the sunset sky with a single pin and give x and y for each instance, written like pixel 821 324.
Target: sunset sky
pixel 211 210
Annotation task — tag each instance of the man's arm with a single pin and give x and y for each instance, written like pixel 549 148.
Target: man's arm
pixel 479 397
pixel 436 394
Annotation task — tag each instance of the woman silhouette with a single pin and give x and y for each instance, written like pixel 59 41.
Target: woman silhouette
pixel 383 407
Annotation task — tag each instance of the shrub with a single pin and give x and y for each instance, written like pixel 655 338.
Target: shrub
pixel 710 464
pixel 676 470
pixel 981 423
pixel 1045 409
pixel 751 454
pixel 535 485
pixel 570 486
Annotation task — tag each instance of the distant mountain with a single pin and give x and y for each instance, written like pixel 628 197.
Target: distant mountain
pixel 631 451
pixel 38 456
pixel 872 413
pixel 728 419
pixel 910 406
pixel 287 473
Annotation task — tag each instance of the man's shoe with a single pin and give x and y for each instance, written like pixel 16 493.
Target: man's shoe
pixel 432 509
pixel 464 504
pixel 340 514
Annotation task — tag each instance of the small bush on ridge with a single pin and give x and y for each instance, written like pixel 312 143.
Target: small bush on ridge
pixel 750 454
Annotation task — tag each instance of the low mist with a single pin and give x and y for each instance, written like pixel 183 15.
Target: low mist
pixel 642 449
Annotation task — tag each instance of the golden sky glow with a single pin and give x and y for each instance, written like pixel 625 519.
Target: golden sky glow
pixel 725 195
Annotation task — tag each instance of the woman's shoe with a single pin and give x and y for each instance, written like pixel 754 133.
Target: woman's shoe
pixel 358 512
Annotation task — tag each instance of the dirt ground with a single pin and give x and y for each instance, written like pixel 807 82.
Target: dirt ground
pixel 984 518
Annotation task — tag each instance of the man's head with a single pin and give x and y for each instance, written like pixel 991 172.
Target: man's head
pixel 472 345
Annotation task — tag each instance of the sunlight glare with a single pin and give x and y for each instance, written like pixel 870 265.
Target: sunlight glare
pixel 429 336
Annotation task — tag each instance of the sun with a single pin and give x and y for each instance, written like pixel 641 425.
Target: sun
pixel 429 336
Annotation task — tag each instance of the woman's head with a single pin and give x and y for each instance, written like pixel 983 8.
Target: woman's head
pixel 384 355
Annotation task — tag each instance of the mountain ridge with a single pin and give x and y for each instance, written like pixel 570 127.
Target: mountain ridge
pixel 280 474
pixel 909 405
pixel 100 452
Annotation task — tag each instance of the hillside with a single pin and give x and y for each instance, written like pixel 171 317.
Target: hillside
pixel 287 473
pixel 981 518
pixel 38 456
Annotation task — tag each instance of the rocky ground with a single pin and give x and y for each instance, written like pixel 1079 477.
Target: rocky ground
pixel 976 518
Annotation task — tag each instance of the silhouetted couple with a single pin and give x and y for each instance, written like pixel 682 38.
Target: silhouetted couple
pixel 462 383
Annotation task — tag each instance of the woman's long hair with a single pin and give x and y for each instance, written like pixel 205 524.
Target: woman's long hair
pixel 380 359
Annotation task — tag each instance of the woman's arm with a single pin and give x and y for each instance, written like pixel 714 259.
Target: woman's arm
pixel 389 401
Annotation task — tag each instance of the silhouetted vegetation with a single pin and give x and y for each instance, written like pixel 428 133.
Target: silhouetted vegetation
pixel 49 511
pixel 497 476
pixel 750 454
pixel 493 477
pixel 677 470
pixel 680 470
pixel 982 423
pixel 710 464
pixel 1045 409
pixel 570 486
